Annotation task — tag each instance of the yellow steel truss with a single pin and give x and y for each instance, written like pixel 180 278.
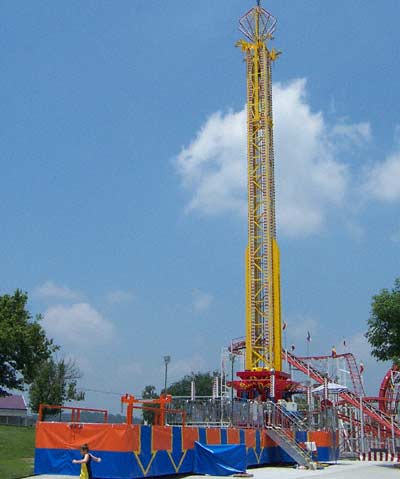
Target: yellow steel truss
pixel 263 309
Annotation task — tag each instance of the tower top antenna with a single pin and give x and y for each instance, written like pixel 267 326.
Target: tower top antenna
pixel 257 24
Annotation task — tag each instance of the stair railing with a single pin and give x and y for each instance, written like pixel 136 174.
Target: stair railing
pixel 278 416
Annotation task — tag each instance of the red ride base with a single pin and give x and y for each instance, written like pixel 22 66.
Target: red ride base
pixel 269 385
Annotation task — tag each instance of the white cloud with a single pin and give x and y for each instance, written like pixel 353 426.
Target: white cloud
pixel 297 329
pixel 355 230
pixel 131 369
pixel 78 323
pixel 395 236
pixel 397 136
pixel 50 290
pixel 83 363
pixel 213 165
pixel 201 300
pixel 120 296
pixel 383 179
pixel 356 133
pixel 180 367
pixel 310 178
pixel 360 347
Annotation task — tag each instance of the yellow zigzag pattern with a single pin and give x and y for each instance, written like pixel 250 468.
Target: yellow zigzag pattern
pixel 145 470
pixel 177 467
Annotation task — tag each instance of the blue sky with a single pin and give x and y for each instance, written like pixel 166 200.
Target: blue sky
pixel 122 180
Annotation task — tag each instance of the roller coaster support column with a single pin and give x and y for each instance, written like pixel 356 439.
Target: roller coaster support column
pixel 393 435
pixel 362 432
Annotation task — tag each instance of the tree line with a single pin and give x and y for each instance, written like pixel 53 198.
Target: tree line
pixel 203 386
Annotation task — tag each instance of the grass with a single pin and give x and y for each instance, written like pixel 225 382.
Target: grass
pixel 17 446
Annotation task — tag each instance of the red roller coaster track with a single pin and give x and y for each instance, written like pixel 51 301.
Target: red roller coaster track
pixel 352 367
pixel 349 397
pixel 388 394
pixel 356 398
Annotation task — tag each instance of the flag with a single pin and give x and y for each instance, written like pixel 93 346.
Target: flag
pixel 284 326
pixel 334 352
pixel 308 336
pixel 361 367
pixel 293 347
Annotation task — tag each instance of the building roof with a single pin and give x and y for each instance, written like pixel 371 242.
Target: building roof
pixel 13 402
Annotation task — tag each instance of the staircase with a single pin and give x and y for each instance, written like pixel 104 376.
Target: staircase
pixel 281 427
pixel 290 446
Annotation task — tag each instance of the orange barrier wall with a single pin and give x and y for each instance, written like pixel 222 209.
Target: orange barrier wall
pixel 136 451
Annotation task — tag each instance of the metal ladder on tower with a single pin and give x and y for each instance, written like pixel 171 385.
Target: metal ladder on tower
pixel 348 396
pixel 281 428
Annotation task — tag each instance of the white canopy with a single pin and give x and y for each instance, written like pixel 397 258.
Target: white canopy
pixel 332 388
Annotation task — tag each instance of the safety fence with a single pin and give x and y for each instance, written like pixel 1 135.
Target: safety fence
pixel 220 412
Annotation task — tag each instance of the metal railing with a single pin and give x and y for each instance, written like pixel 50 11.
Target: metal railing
pixel 223 412
pixel 278 416
pixel 47 410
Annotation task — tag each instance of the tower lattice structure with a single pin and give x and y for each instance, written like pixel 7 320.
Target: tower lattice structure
pixel 263 304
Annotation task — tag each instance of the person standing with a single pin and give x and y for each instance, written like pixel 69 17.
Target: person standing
pixel 85 462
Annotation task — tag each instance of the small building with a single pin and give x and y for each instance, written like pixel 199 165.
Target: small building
pixel 13 410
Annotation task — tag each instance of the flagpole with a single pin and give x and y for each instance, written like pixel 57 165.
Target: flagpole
pixel 308 362
pixel 290 366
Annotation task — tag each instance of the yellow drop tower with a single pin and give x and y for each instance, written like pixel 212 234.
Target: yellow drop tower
pixel 263 303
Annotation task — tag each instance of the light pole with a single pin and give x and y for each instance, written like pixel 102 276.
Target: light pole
pixel 167 360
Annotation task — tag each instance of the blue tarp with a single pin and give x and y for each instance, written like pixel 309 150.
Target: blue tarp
pixel 219 460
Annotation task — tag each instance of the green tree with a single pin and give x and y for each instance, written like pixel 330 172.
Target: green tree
pixel 55 384
pixel 23 343
pixel 384 324
pixel 149 392
pixel 203 385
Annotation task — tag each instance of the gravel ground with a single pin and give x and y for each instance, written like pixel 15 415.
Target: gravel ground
pixel 342 470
